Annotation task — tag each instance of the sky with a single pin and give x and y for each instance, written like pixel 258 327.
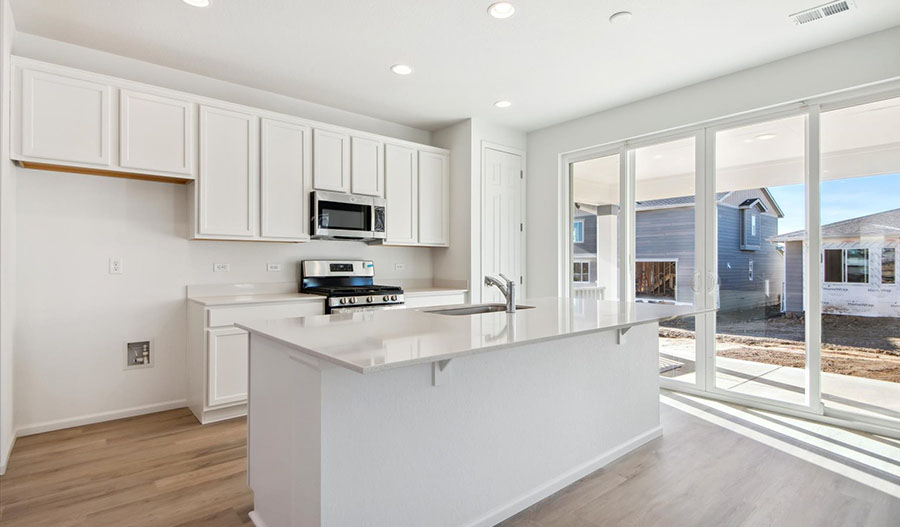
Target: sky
pixel 842 199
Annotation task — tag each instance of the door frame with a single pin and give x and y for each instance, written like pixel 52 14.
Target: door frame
pixel 477 277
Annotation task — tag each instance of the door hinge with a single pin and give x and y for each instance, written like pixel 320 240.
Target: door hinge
pixel 521 280
pixel 521 227
pixel 521 174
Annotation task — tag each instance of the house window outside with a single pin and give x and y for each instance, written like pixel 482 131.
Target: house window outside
pixel 888 265
pixel 578 231
pixel 655 279
pixel 847 266
pixel 753 225
pixel 581 272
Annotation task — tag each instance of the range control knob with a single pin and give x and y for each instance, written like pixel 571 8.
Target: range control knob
pixel 393 297
pixel 369 299
pixel 343 301
pixel 385 298
pixel 352 300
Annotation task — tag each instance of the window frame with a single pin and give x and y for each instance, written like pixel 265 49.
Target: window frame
pixel 893 262
pixel 574 237
pixel 585 272
pixel 845 275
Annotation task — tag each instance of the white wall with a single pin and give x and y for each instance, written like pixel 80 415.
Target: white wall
pixel 462 261
pixel 7 246
pixel 73 316
pixel 852 63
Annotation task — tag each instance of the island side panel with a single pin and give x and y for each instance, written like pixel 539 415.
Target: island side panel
pixel 283 424
pixel 506 429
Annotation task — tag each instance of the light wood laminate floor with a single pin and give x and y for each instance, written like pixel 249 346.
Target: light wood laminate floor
pixel 716 465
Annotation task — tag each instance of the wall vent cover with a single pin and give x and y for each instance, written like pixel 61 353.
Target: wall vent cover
pixel 821 12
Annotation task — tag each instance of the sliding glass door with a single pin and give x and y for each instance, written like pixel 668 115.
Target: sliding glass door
pixel 760 333
pixel 860 242
pixel 787 224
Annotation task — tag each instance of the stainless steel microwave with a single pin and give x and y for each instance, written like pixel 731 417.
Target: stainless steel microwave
pixel 337 216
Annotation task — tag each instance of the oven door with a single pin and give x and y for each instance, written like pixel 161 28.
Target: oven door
pixel 346 216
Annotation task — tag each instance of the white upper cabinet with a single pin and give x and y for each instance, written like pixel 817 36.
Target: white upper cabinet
pixel 285 169
pixel 156 133
pixel 366 166
pixel 434 199
pixel 331 160
pixel 229 174
pixel 401 194
pixel 64 119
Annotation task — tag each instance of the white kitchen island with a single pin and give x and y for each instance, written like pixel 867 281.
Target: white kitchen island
pixel 412 418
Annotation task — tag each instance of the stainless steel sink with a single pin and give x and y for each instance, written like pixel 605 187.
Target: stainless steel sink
pixel 477 309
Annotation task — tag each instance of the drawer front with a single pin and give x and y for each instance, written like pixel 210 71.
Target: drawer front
pixel 227 316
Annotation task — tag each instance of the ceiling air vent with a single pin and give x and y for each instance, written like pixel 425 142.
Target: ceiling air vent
pixel 823 11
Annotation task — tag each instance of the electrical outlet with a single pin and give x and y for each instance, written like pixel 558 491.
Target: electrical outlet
pixel 221 268
pixel 116 265
pixel 399 266
pixel 271 267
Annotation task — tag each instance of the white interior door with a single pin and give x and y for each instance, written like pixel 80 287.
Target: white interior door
pixel 501 223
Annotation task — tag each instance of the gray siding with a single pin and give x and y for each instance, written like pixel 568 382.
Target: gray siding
pixel 668 234
pixel 736 290
pixel 793 262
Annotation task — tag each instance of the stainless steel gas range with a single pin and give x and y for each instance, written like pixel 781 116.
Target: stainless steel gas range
pixel 348 285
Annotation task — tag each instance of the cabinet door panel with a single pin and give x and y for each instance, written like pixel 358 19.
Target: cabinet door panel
pixel 366 166
pixel 156 133
pixel 331 161
pixel 65 119
pixel 229 172
pixel 434 198
pixel 228 366
pixel 400 186
pixel 285 156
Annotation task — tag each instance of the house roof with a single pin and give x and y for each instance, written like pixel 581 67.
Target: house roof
pixel 681 201
pixel 885 223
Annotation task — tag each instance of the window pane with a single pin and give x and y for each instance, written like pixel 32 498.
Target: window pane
pixel 665 246
pixel 860 209
pixel 834 265
pixel 595 191
pixel 888 265
pixel 857 266
pixel 760 215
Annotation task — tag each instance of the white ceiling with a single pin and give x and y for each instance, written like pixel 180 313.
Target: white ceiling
pixel 555 60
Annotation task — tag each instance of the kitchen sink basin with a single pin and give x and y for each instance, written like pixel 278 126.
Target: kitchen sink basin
pixel 477 309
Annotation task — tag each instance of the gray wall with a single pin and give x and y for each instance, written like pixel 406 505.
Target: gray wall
pixel 668 234
pixel 793 263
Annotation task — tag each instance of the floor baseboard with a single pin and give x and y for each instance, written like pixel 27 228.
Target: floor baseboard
pixel 523 502
pixel 4 456
pixel 59 424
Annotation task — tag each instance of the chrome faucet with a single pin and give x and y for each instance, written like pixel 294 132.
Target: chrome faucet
pixel 508 289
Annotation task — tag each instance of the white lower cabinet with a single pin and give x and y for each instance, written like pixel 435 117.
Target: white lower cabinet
pixel 228 358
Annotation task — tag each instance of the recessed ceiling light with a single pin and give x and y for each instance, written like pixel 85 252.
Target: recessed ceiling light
pixel 401 69
pixel 197 3
pixel 765 137
pixel 622 17
pixel 502 9
pixel 502 104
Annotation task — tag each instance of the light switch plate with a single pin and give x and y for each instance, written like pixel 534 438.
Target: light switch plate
pixel 221 267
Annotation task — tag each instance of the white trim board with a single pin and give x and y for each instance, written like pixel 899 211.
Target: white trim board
pixel 59 424
pixel 4 456
pixel 535 495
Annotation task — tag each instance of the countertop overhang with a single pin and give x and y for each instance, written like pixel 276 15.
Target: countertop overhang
pixel 371 341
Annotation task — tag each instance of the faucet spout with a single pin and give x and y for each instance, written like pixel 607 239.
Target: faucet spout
pixel 507 287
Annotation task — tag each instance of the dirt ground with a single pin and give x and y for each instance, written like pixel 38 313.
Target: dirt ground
pixel 858 346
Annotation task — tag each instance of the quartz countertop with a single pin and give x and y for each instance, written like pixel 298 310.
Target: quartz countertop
pixel 371 341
